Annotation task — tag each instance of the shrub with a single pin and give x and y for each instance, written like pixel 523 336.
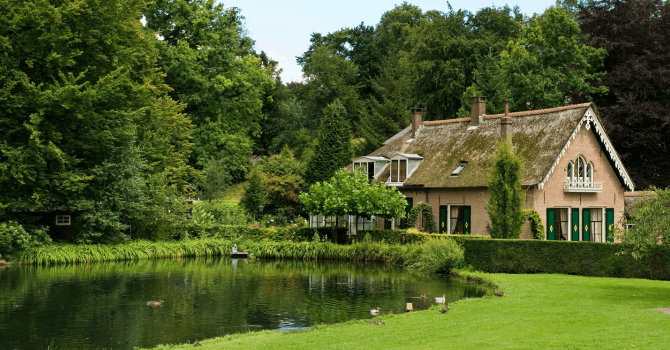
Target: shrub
pixel 536 225
pixel 222 212
pixel 14 238
pixel 440 255
pixel 422 208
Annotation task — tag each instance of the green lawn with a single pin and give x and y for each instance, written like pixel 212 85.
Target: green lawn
pixel 537 312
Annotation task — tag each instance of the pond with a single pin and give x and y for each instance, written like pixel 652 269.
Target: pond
pixel 104 305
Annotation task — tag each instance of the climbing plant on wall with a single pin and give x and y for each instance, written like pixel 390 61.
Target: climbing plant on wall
pixel 422 208
pixel 536 225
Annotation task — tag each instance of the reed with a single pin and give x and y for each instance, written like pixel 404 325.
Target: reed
pixel 409 255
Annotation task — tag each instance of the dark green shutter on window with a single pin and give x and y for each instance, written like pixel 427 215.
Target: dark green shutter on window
pixel 551 212
pixel 408 208
pixel 609 222
pixel 443 219
pixel 387 224
pixel 586 225
pixel 575 224
pixel 466 220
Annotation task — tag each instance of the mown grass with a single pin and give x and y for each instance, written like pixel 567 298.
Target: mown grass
pixel 537 312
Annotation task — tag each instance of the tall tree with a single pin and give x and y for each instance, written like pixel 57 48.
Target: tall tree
pixel 636 35
pixel 210 63
pixel 255 192
pixel 333 150
pixel 507 196
pixel 85 114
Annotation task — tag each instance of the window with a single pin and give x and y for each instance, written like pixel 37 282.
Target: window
pixel 366 166
pixel 571 172
pixel 460 168
pixel 366 224
pixel 561 224
pixel 62 220
pixel 457 220
pixel 596 217
pixel 580 169
pixel 589 173
pixel 398 170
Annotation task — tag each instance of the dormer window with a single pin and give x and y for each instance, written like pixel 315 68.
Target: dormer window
pixel 398 170
pixel 366 167
pixel 460 168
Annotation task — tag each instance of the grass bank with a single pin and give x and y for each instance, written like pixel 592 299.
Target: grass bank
pixel 537 312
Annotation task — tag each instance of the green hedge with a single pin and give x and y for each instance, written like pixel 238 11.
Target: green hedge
pixel 395 236
pixel 573 258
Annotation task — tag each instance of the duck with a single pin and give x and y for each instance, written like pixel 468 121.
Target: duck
pixel 197 343
pixel 15 305
pixel 439 300
pixel 371 321
pixel 380 323
pixel 423 297
pixel 497 293
pixel 444 309
pixel 155 303
pixel 374 312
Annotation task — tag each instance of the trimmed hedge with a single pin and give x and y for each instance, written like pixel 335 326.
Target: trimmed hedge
pixel 395 236
pixel 572 258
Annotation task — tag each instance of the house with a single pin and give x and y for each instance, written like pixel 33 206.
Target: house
pixel 573 176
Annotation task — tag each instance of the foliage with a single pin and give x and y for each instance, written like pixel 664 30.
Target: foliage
pixel 440 255
pixel 350 193
pixel 634 111
pixel 650 218
pixel 549 62
pixel 211 66
pixel 255 192
pixel 412 236
pixel 504 206
pixel 164 218
pixel 573 258
pixel 15 238
pixel 85 112
pixel 215 180
pixel 536 224
pixel 219 212
pixel 333 148
pixel 427 211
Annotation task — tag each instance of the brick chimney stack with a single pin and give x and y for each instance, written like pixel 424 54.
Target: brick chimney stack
pixel 478 105
pixel 506 125
pixel 417 121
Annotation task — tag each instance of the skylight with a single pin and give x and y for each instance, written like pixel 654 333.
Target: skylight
pixel 460 168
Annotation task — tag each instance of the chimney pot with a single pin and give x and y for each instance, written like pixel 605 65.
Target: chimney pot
pixel 417 121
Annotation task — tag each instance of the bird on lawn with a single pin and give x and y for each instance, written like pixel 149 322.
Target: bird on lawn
pixel 197 343
pixel 497 293
pixel 155 303
pixel 380 323
pixel 439 300
pixel 444 309
pixel 374 312
pixel 371 321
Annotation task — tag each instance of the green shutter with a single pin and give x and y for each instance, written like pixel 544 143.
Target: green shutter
pixel 586 225
pixel 408 208
pixel 575 224
pixel 609 222
pixel 551 212
pixel 443 219
pixel 466 220
pixel 387 224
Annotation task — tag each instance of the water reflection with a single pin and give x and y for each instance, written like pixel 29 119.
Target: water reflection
pixel 104 305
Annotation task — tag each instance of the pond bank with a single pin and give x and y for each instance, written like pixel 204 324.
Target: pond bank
pixel 536 312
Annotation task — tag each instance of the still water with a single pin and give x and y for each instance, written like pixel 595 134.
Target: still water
pixel 104 305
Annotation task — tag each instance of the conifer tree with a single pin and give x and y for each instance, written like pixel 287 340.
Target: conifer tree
pixel 333 150
pixel 504 206
pixel 255 192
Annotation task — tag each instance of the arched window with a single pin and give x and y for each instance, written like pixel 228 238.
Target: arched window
pixel 571 172
pixel 589 173
pixel 581 169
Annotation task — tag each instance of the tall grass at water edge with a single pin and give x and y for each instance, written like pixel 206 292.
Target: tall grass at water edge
pixel 432 256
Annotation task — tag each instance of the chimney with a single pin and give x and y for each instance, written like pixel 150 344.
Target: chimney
pixel 506 125
pixel 417 121
pixel 478 104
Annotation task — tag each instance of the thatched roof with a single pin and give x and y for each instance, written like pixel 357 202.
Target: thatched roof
pixel 539 136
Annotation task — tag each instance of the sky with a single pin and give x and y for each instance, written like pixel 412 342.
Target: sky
pixel 283 28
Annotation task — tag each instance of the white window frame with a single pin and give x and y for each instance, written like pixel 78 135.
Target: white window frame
pixel 64 222
pixel 398 167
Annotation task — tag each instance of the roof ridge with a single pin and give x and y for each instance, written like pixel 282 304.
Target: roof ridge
pixel 514 114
